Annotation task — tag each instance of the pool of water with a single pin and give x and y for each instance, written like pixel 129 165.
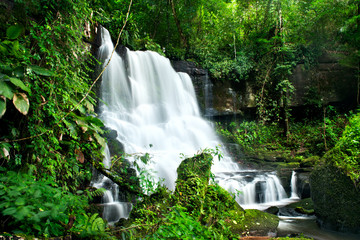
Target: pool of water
pixel 308 227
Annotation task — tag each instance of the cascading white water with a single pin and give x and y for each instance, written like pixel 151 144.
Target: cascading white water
pixel 113 208
pixel 294 194
pixel 154 110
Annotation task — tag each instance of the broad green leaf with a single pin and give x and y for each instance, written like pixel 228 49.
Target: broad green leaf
pixel 6 90
pixel 41 71
pixel 14 32
pixel 9 211
pixel 95 121
pixel 100 139
pixel 17 82
pixel 2 106
pixel 20 202
pixel 71 128
pixel 21 102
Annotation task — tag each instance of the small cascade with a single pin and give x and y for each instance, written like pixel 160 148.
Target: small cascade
pixel 253 188
pixel 208 96
pixel 154 110
pixel 113 208
pixel 294 194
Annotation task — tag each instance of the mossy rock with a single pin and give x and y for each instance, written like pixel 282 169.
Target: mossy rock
pixel 193 192
pixel 336 199
pixel 309 162
pixel 199 166
pixel 306 203
pixel 290 165
pixel 252 222
pixel 272 210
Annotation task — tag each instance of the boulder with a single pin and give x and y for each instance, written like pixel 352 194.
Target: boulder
pixel 336 199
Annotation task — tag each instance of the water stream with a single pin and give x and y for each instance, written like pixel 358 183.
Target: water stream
pixel 309 227
pixel 154 110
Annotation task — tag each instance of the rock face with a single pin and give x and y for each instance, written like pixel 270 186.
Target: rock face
pixel 328 82
pixel 336 200
pixel 202 84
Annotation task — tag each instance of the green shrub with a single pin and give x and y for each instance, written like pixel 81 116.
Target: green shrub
pixel 38 208
pixel 348 149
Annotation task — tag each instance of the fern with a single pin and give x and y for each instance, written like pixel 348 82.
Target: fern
pixel 96 193
pixel 93 227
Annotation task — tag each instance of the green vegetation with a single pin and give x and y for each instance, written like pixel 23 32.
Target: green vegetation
pixel 346 154
pixel 51 138
pixel 49 131
pixel 196 209
pixel 304 139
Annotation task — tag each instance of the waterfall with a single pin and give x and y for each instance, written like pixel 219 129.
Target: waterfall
pixel 208 97
pixel 113 208
pixel 294 194
pixel 154 110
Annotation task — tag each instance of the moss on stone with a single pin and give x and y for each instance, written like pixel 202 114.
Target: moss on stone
pixel 306 204
pixel 253 222
pixel 199 166
pixel 336 199
pixel 208 204
pixel 309 162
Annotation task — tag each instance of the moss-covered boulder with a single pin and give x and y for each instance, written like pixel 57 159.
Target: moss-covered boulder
pixel 196 209
pixel 199 166
pixel 336 199
pixel 252 222
pixel 301 208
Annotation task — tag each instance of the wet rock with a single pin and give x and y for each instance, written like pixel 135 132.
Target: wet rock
pixel 272 210
pixel 336 199
pixel 256 223
pixel 115 147
pixel 302 208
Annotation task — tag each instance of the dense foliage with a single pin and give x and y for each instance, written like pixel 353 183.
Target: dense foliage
pixel 258 41
pixel 346 153
pixel 50 137
pixel 306 138
pixel 196 209
pixel 46 136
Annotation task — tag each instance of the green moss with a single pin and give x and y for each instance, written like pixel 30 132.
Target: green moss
pixel 197 204
pixel 289 165
pixel 252 221
pixel 306 204
pixel 309 162
pixel 199 165
pixel 335 199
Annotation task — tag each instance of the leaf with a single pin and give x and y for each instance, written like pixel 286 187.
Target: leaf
pixel 100 139
pixel 17 82
pixel 6 90
pixel 20 202
pixel 80 156
pixel 41 71
pixel 94 120
pixel 14 32
pixel 9 211
pixel 21 102
pixel 2 106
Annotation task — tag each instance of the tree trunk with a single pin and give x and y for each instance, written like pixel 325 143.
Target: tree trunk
pixel 113 176
pixel 177 22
